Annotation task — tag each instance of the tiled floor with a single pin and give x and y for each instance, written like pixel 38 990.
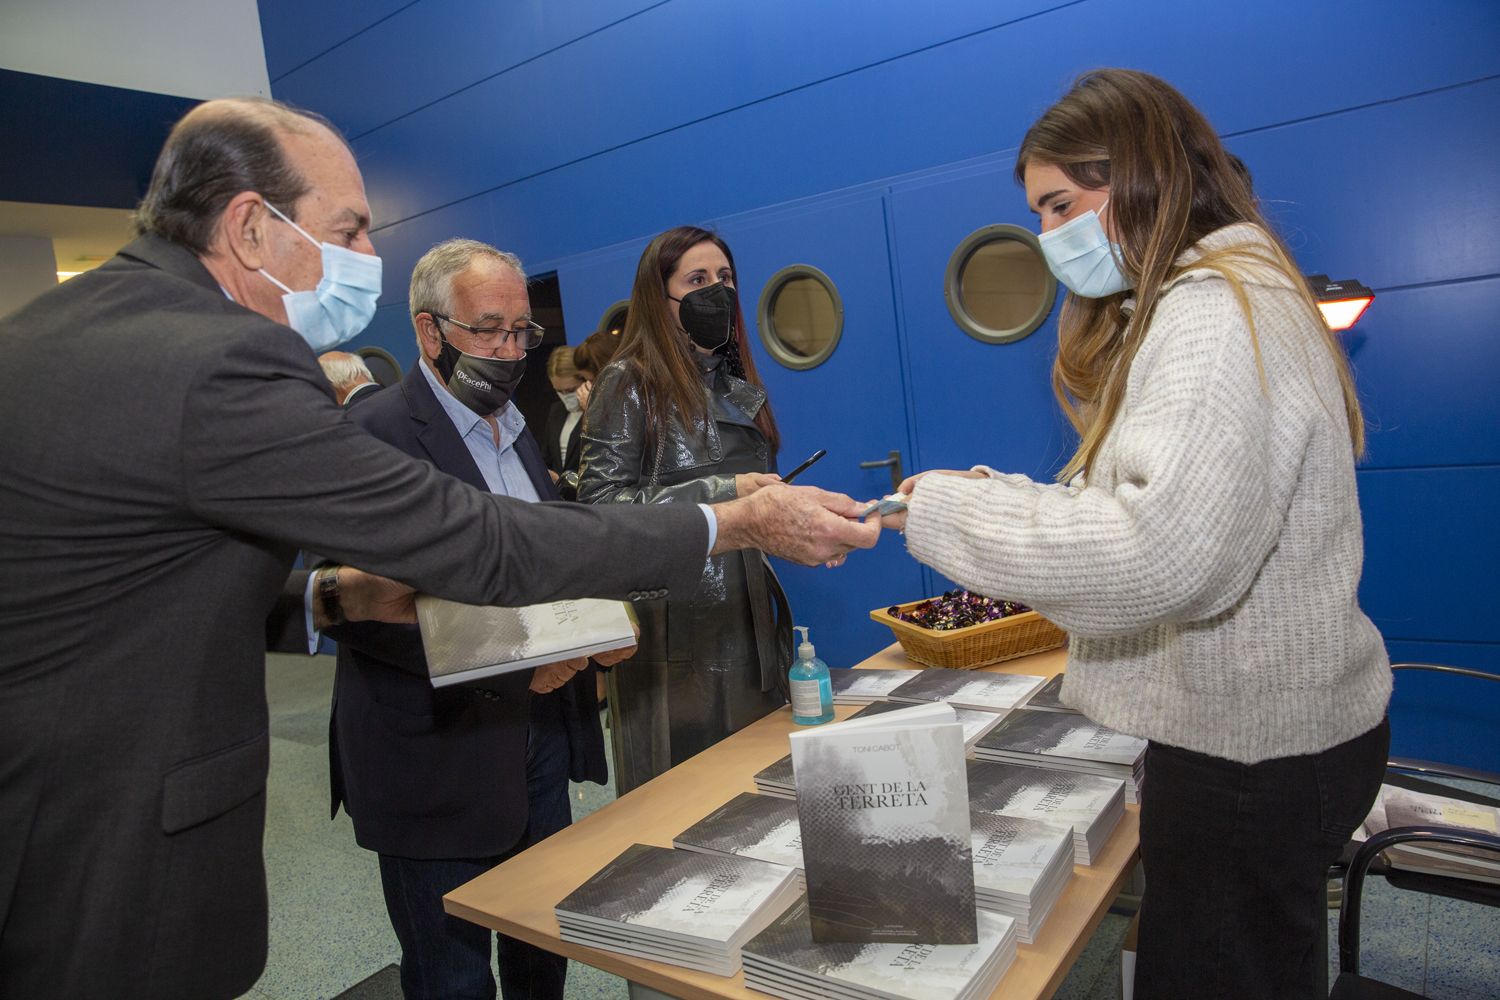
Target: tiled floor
pixel 329 929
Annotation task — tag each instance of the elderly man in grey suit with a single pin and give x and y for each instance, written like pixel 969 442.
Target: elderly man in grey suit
pixel 147 530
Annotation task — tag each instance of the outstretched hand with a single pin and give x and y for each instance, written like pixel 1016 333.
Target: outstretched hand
pixel 800 523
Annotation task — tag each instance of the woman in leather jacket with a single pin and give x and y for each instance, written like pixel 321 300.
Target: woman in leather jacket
pixel 680 416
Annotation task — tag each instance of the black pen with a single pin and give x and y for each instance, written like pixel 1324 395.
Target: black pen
pixel 803 467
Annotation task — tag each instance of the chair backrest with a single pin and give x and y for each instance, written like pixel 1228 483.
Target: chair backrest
pixel 1354 879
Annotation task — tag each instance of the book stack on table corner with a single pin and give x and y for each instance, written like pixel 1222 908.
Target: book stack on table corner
pixel 986 692
pixel 1020 865
pixel 1068 742
pixel 679 907
pixel 784 961
pixel 1091 805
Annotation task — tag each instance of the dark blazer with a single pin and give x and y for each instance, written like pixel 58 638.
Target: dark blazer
pixel 430 773
pixel 165 452
pixel 557 460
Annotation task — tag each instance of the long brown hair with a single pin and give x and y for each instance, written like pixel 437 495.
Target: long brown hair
pixel 1171 183
pixel 662 354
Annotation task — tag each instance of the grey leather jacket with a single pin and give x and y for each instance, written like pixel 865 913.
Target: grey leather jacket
pixel 711 658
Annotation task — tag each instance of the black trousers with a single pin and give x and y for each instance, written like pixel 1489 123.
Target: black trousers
pixel 1236 860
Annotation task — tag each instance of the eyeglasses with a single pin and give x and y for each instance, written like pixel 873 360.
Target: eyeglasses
pixel 527 336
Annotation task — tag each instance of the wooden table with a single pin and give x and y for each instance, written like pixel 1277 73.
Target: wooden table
pixel 517 897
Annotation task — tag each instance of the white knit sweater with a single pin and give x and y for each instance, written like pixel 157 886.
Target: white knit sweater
pixel 1207 571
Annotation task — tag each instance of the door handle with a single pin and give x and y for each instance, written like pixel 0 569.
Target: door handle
pixel 893 461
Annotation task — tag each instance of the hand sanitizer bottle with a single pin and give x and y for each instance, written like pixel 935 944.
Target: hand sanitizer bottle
pixel 812 691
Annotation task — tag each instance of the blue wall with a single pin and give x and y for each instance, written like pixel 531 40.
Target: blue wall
pixel 869 138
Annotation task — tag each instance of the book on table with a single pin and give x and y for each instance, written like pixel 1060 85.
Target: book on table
pixel 1020 865
pixel 679 907
pixel 860 687
pixel 988 692
pixel 884 814
pixel 1048 697
pixel 785 961
pixel 1091 805
pixel 1459 809
pixel 1068 742
pixel 465 642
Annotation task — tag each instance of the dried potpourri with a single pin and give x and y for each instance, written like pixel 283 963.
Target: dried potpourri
pixel 957 609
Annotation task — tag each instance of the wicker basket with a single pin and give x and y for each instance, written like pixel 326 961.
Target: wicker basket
pixel 974 645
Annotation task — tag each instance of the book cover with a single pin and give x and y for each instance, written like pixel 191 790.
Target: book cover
pixel 975 723
pixel 752 826
pixel 465 642
pixel 777 779
pixel 1090 804
pixel 1014 856
pixel 856 687
pixel 990 692
pixel 786 951
pixel 1063 735
pixel 678 894
pixel 884 814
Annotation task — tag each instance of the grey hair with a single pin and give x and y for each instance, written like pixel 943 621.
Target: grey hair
pixel 432 279
pixel 216 151
pixel 345 370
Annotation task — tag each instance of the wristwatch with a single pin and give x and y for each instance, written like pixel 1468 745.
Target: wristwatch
pixel 328 594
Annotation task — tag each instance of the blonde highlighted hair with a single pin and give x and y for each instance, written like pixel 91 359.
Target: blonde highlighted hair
pixel 1171 183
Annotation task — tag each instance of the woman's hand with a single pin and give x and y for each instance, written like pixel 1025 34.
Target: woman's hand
pixel 911 481
pixel 746 483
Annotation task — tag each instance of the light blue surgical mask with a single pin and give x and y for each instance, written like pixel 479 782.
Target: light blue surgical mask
pixel 1082 257
pixel 343 303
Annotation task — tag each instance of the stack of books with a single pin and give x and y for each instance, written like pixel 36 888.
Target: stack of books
pixel 678 907
pixel 974 722
pixel 1091 805
pixel 1020 866
pixel 777 779
pixel 750 826
pixel 1068 742
pixel 860 687
pixel 981 690
pixel 784 961
pixel 1426 804
pixel 1048 697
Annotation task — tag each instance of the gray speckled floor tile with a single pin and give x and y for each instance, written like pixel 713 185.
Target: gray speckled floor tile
pixel 1463 952
pixel 1096 974
pixel 1393 936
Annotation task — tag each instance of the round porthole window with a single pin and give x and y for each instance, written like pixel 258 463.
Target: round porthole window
pixel 998 286
pixel 800 316
pixel 613 321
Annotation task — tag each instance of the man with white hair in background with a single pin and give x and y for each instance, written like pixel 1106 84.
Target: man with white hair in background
pixel 445 784
pixel 350 377
pixel 142 552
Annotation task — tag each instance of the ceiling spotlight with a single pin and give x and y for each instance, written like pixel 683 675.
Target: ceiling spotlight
pixel 1342 303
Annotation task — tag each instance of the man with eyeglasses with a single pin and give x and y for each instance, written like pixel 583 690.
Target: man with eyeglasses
pixel 445 784
pixel 169 444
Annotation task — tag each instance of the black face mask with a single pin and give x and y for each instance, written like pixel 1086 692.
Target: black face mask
pixel 707 314
pixel 484 385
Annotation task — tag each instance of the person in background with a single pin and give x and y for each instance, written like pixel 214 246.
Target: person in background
pixel 560 441
pixel 680 416
pixel 1202 547
pixel 446 783
pixel 597 350
pixel 351 379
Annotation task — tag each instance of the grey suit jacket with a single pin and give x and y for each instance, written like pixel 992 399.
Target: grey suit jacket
pixel 165 451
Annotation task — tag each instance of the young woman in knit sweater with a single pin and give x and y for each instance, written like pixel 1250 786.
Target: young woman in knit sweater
pixel 1203 546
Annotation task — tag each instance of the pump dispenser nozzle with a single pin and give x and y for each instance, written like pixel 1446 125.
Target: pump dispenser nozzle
pixel 805 651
